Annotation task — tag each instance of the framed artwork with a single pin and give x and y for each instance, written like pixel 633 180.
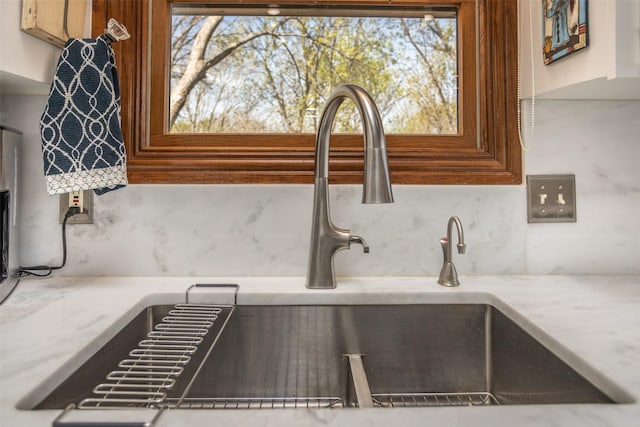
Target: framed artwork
pixel 564 28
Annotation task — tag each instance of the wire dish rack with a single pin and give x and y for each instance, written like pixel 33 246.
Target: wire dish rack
pixel 256 403
pixel 409 400
pixel 144 379
pixel 389 400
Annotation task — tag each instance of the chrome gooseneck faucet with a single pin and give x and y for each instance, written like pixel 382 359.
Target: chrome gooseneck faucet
pixel 326 239
pixel 448 274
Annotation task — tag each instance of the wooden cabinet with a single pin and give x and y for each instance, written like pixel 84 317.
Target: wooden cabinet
pixel 54 21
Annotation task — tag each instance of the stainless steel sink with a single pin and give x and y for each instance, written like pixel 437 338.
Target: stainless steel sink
pixel 302 356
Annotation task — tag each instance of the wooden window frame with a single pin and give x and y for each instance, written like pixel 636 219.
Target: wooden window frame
pixel 156 156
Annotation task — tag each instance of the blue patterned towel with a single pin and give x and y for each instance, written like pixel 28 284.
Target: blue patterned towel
pixel 82 143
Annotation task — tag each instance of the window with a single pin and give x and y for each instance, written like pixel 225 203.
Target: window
pixel 479 147
pixel 270 70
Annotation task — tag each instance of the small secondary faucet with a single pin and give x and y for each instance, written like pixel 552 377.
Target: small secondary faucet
pixel 448 274
pixel 326 239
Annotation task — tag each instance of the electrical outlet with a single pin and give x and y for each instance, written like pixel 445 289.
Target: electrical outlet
pixel 82 200
pixel 551 198
pixel 76 200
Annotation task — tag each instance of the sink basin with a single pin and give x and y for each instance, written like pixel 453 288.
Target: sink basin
pixel 336 355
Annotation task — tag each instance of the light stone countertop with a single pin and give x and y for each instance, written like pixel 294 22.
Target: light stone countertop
pixel 48 326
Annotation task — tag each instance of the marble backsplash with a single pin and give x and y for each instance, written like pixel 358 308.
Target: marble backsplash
pixel 246 230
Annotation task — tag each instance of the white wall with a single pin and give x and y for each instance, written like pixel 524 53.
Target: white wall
pixel 27 64
pixel 264 230
pixel 608 68
pixel 598 142
pixel 21 54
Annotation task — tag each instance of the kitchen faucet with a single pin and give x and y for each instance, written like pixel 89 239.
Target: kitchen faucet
pixel 448 274
pixel 326 239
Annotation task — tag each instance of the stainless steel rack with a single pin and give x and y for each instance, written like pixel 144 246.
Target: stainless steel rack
pixel 151 370
pixel 256 403
pixel 401 400
pixel 392 400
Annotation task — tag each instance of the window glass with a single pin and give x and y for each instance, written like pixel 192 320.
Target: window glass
pixel 266 70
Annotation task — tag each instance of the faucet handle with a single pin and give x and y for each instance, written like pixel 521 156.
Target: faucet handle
pixel 359 240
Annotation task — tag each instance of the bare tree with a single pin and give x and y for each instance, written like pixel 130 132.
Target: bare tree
pixel 199 61
pixel 302 67
pixel 435 91
pixel 273 74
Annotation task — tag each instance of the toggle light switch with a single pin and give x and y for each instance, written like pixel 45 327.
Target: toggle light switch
pixel 561 199
pixel 551 198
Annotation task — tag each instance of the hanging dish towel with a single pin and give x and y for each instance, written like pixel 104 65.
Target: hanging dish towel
pixel 82 143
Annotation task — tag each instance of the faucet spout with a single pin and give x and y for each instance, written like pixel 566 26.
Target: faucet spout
pixel 359 240
pixel 376 185
pixel 326 239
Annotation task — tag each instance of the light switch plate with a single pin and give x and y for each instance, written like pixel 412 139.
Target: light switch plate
pixel 551 198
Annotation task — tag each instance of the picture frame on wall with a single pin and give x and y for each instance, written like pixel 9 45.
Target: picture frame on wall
pixel 564 28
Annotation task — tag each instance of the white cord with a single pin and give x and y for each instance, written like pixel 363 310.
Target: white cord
pixel 478 103
pixel 519 74
pixel 533 72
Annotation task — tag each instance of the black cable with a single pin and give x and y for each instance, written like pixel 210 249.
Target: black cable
pixel 46 269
